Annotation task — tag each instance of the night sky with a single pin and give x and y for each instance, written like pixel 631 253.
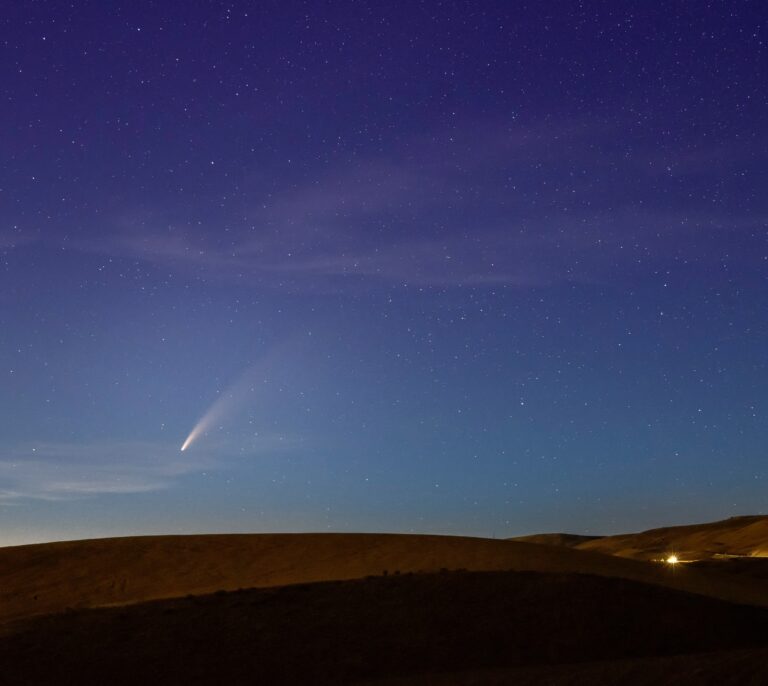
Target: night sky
pixel 485 268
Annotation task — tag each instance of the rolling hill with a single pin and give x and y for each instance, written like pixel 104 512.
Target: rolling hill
pixel 48 578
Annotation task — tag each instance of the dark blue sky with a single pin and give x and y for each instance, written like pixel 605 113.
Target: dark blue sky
pixel 460 267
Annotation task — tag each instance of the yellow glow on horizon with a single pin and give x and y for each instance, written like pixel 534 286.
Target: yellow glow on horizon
pixel 672 560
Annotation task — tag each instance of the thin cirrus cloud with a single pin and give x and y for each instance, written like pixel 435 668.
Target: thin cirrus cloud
pixel 354 220
pixel 61 471
pixel 54 471
pixel 593 248
pixel 408 262
pixel 486 207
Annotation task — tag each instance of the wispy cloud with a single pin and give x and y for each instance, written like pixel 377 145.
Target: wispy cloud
pixel 409 216
pixel 491 205
pixel 451 260
pixel 59 471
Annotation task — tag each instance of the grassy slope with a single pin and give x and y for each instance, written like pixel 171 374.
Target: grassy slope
pixel 339 632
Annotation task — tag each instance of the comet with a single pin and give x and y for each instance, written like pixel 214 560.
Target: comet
pixel 236 393
pixel 222 406
pixel 193 435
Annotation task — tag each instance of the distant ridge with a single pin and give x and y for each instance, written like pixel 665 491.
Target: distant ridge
pixel 745 535
pixel 739 536
pixel 559 539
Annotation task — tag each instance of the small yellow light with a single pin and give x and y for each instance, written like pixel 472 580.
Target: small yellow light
pixel 672 560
